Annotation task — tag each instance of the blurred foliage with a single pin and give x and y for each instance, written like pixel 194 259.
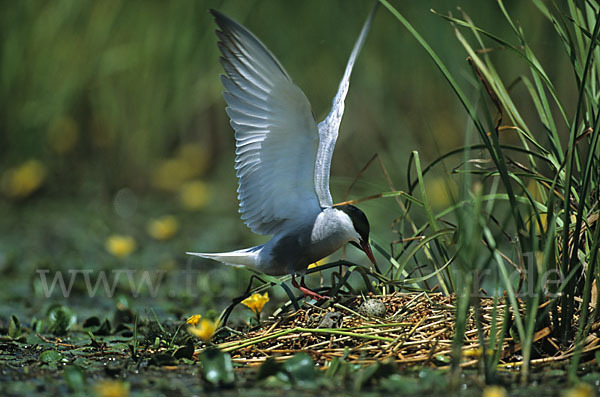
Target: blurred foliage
pixel 111 90
pixel 124 77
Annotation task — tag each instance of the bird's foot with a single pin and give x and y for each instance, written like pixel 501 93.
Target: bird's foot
pixel 313 294
pixel 307 291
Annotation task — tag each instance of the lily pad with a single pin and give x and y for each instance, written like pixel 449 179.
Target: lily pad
pixel 74 378
pixel 301 369
pixel 297 371
pixel 217 367
pixel 50 356
pixel 372 373
pixel 61 319
pixel 185 351
pixel 270 367
pixel 14 327
pixel 98 327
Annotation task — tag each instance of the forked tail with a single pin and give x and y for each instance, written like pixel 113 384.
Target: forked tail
pixel 239 258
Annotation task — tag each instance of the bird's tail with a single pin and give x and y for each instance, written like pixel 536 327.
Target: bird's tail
pixel 239 258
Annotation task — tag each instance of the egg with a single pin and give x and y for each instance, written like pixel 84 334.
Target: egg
pixel 372 307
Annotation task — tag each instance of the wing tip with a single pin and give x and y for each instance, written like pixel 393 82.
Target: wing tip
pixel 218 15
pixel 226 24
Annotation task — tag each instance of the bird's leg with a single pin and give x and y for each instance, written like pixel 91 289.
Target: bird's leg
pixel 307 291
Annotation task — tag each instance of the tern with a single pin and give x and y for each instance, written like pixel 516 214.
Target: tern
pixel 283 160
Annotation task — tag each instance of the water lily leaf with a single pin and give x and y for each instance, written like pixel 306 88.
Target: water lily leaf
pixel 275 382
pixel 50 356
pixel 298 371
pixel 14 327
pixel 301 369
pixel 61 319
pixel 402 384
pixel 270 367
pixel 96 326
pixel 442 358
pixel 185 351
pixel 373 373
pixel 123 314
pixel 37 326
pixel 34 339
pixel 217 367
pixel 74 378
pixel 160 359
pixel 334 366
pixel 435 379
pixel 365 376
pixel 91 322
pixel 93 342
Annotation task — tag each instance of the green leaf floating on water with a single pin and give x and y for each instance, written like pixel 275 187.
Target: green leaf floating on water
pixel 74 378
pixel 373 373
pixel 185 351
pixel 442 358
pixel 96 326
pixel 50 356
pixel 301 369
pixel 269 368
pixel 217 367
pixel 298 371
pixel 14 327
pixel 61 319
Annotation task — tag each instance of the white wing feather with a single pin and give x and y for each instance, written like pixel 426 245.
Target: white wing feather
pixel 276 134
pixel 329 127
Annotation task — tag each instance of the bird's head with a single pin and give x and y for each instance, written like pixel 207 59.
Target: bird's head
pixel 361 226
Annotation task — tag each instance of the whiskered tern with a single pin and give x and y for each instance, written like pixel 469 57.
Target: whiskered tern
pixel 283 158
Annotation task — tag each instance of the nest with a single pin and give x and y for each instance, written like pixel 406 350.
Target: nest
pixel 417 329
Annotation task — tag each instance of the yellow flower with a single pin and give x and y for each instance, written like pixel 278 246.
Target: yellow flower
pixel 317 264
pixel 473 353
pixel 194 195
pixel 163 228
pixel 193 320
pixel 579 390
pixel 205 329
pixel 119 245
pixel 21 181
pixel 170 174
pixel 494 391
pixel 256 302
pixel 195 156
pixel 111 388
pixel 63 135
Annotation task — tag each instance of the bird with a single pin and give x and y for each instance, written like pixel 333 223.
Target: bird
pixel 283 160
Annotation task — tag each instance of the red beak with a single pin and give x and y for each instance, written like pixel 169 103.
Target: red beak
pixel 367 248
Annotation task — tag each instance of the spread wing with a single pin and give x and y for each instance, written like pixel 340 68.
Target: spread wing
pixel 328 128
pixel 275 131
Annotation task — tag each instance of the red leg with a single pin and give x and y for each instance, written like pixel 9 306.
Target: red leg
pixel 307 291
